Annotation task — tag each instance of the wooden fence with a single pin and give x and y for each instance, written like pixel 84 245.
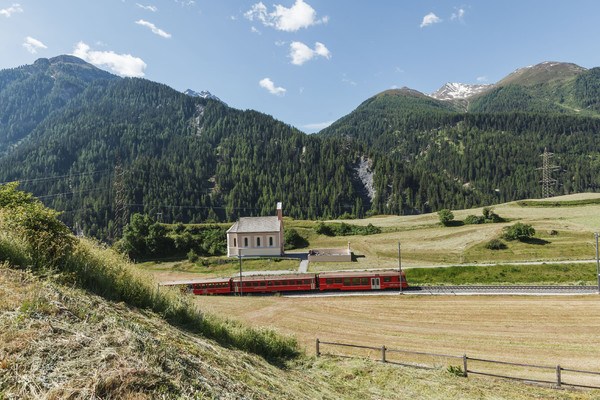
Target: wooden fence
pixel 558 370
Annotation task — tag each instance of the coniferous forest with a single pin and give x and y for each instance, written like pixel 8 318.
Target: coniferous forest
pixel 99 148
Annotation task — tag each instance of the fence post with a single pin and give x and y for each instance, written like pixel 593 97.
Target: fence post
pixel 383 353
pixel 318 352
pixel 558 375
pixel 465 365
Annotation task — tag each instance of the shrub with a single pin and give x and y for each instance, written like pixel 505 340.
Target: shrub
pixel 490 216
pixel 192 256
pixel 179 228
pixel 293 240
pixel 495 244
pixel 474 220
pixel 323 229
pixel 446 217
pixel 518 231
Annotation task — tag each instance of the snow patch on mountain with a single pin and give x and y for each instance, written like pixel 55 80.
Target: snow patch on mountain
pixel 205 94
pixel 459 91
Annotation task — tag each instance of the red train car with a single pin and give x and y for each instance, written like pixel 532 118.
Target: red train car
pixel 361 280
pixel 203 286
pixel 275 283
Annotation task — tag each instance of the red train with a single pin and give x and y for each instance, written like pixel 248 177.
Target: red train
pixel 356 280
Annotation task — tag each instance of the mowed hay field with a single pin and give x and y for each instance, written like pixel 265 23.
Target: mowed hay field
pixel 424 242
pixel 534 330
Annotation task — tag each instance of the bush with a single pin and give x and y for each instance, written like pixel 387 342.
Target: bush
pixel 446 217
pixel 293 240
pixel 490 216
pixel 192 256
pixel 518 231
pixel 323 229
pixel 344 229
pixel 495 244
pixel 474 220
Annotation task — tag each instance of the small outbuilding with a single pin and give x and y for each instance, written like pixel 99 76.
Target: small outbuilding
pixel 256 236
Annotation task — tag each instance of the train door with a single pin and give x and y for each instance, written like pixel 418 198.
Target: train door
pixel 236 287
pixel 375 283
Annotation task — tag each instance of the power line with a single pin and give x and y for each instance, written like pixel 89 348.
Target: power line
pixel 46 178
pixel 547 180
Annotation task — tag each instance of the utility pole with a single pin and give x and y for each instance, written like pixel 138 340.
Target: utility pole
pixel 597 263
pixel 240 258
pixel 547 181
pixel 400 266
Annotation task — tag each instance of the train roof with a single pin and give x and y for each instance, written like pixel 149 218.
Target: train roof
pixel 195 281
pixel 274 277
pixel 356 274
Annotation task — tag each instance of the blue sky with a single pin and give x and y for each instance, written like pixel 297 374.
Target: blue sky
pixel 305 62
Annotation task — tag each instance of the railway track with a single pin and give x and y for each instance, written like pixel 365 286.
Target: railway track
pixel 484 289
pixel 460 290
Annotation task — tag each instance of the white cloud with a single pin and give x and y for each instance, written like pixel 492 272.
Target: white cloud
pixel 301 53
pixel 154 29
pixel 33 45
pixel 254 30
pixel 482 79
pixel 15 8
pixel 280 43
pixel 430 19
pixel 317 126
pixel 122 64
pixel 149 8
pixel 300 15
pixel 270 86
pixel 459 15
pixel 399 70
pixel 347 80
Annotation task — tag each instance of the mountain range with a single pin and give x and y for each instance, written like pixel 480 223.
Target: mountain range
pixel 83 140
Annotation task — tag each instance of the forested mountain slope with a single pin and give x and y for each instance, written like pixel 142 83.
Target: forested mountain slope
pixel 190 159
pixel 30 93
pixel 494 153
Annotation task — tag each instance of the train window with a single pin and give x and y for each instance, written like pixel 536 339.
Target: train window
pixel 270 283
pixel 329 281
pixel 263 283
pixel 307 281
pixel 247 284
pixel 298 282
pixel 254 283
pixel 364 281
pixel 277 283
pixel 355 281
pixel 387 278
pixel 347 281
pixel 338 280
pixel 211 285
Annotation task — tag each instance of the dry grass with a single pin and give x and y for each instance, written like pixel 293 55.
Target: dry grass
pixel 425 242
pixel 62 343
pixel 538 330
